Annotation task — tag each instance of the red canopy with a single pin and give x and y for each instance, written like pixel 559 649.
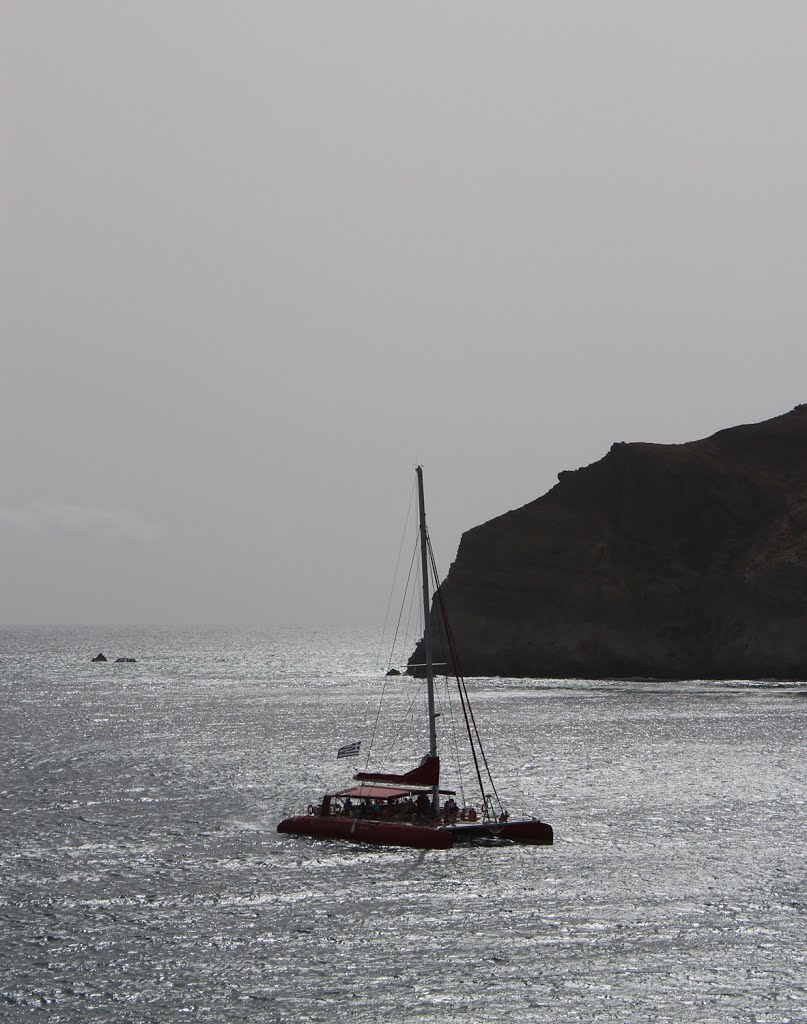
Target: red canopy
pixel 372 792
pixel 380 792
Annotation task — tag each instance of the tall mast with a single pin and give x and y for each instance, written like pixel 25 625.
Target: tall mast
pixel 427 627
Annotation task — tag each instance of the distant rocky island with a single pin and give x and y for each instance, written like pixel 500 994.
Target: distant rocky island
pixel 673 561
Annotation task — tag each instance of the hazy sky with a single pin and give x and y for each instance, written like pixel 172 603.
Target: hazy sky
pixel 258 259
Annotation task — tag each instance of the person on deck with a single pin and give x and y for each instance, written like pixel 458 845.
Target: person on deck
pixel 423 807
pixel 450 811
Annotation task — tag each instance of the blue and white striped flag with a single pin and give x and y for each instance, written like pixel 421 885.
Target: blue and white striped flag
pixel 348 750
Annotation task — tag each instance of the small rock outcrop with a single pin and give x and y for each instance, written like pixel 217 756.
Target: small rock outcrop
pixel 127 660
pixel 100 657
pixel 660 560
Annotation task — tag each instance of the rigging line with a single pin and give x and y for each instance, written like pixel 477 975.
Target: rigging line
pixel 384 687
pixel 395 574
pixel 419 689
pixel 386 621
pixel 403 604
pixel 410 634
pixel 408 643
pixel 463 688
pixel 458 761
pixel 460 776
pixel 481 747
pixel 463 696
pixel 407 714
pixel 473 721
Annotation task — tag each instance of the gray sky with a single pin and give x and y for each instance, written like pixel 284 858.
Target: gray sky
pixel 258 259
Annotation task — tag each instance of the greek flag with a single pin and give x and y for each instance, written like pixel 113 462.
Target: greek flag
pixel 348 750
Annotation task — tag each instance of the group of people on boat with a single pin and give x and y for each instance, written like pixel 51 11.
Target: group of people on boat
pixel 409 809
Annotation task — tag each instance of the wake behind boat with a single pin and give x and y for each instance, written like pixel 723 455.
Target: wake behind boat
pixel 406 809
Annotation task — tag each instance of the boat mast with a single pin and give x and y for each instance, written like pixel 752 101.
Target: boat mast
pixel 427 629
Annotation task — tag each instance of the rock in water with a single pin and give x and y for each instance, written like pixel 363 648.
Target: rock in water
pixel 99 657
pixel 660 560
pixel 127 660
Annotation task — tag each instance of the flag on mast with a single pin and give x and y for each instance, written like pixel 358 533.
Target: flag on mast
pixel 349 750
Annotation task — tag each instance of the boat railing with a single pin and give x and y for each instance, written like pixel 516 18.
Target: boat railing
pixel 401 813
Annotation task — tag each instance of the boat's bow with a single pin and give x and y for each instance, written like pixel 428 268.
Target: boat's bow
pixel 528 830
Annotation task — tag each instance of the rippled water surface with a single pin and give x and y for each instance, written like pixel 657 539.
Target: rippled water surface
pixel 141 877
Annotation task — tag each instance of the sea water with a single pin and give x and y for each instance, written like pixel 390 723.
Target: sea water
pixel 142 879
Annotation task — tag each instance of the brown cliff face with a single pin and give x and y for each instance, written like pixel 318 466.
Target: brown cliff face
pixel 667 561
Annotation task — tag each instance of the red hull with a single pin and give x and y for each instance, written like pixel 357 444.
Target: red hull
pixel 538 833
pixel 380 833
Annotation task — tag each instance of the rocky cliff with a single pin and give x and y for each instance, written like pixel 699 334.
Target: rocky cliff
pixel 667 561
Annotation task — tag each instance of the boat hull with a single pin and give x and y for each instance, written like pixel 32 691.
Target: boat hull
pixel 536 833
pixel 378 833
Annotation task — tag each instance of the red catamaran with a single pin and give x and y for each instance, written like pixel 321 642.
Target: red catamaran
pixel 405 810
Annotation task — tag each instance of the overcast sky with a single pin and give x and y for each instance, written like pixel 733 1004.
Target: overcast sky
pixel 258 259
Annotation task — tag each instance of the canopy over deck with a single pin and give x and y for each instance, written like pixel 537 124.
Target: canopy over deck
pixel 368 792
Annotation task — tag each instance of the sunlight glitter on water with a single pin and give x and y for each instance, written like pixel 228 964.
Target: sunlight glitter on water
pixel 142 876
